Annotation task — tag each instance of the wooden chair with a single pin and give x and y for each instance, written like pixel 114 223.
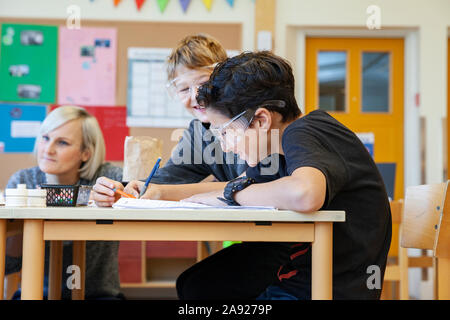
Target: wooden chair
pixel 397 268
pixel 397 271
pixel 426 225
pixel 12 283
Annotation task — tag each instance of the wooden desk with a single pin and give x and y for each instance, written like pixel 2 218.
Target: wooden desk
pixel 102 224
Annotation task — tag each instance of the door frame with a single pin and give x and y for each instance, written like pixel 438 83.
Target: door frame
pixel 411 117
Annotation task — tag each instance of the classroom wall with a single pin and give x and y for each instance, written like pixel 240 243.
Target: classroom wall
pixel 221 12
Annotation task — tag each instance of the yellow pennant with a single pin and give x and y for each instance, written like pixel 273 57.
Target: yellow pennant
pixel 207 3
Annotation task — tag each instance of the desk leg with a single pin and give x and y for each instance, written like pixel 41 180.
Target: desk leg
pixel 443 278
pixel 79 259
pixel 55 270
pixel 33 260
pixel 322 261
pixel 2 256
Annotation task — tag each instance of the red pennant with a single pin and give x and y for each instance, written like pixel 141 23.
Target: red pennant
pixel 139 4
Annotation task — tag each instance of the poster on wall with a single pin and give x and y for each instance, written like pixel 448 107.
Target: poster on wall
pixel 19 126
pixel 368 140
pixel 148 102
pixel 112 121
pixel 87 66
pixel 28 63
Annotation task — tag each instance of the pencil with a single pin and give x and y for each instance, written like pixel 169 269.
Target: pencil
pixel 123 194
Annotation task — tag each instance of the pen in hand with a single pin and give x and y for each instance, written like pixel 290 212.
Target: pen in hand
pixel 144 189
pixel 123 194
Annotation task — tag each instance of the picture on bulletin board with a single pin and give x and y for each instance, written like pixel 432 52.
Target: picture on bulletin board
pixel 20 126
pixel 368 140
pixel 149 104
pixel 112 121
pixel 25 76
pixel 87 66
pixel 148 101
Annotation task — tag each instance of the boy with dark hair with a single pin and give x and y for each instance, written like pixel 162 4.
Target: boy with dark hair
pixel 321 165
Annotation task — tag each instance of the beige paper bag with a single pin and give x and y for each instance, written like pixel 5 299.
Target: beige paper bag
pixel 140 156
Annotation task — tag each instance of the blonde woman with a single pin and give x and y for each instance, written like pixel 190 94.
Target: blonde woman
pixel 70 150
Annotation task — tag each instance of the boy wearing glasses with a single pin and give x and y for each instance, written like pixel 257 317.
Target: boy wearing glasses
pixel 320 165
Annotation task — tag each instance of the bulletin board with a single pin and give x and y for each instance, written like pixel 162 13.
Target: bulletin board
pixel 131 34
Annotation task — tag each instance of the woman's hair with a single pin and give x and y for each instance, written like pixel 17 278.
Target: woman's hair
pixel 248 81
pixel 194 52
pixel 92 136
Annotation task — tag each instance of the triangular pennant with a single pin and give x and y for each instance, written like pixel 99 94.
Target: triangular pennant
pixel 139 4
pixel 116 2
pixel 185 4
pixel 207 3
pixel 162 4
pixel 231 2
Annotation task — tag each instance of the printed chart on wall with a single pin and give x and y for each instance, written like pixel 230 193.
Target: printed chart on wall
pixel 87 66
pixel 112 122
pixel 24 75
pixel 148 102
pixel 19 126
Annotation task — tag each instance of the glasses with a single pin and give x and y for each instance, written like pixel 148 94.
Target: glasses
pixel 183 86
pixel 242 121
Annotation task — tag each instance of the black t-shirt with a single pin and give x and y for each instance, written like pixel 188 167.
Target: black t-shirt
pixel 353 185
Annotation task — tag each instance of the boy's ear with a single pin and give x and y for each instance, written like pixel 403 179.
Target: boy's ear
pixel 262 119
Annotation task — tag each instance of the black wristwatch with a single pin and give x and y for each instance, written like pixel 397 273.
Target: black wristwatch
pixel 234 186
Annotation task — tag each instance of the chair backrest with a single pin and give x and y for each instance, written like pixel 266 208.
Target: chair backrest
pixel 425 224
pixel 442 240
pixel 396 210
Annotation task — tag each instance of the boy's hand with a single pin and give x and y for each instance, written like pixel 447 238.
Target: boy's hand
pixel 134 188
pixel 153 192
pixel 208 198
pixel 102 192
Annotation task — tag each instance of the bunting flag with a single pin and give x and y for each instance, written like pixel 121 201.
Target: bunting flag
pixel 162 5
pixel 185 4
pixel 207 3
pixel 139 4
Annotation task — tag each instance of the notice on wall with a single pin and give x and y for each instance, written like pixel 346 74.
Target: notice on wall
pixel 112 122
pixel 148 102
pixel 20 126
pixel 87 66
pixel 368 139
pixel 28 63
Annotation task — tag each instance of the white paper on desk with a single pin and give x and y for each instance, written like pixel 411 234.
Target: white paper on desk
pixel 127 203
